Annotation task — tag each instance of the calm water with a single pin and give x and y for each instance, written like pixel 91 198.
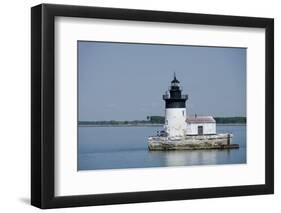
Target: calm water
pixel 126 147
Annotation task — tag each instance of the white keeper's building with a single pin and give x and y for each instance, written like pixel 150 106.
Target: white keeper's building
pixel 200 125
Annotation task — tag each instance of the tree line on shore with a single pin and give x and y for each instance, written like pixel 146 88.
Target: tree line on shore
pixel 161 120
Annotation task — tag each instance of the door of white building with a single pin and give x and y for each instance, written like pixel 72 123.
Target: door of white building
pixel 200 130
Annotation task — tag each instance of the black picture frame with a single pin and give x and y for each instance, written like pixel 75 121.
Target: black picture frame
pixel 43 102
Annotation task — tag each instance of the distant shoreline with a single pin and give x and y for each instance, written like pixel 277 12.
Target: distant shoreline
pixel 147 125
pixel 155 121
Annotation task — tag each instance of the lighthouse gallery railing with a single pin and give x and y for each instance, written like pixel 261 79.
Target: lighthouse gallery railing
pixel 167 96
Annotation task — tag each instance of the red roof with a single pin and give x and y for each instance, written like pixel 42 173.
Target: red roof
pixel 200 119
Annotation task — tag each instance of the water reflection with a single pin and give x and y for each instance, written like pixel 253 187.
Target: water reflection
pixel 196 157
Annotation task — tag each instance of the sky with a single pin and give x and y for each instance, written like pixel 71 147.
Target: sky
pixel 126 81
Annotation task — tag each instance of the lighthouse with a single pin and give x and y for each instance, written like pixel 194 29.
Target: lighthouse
pixel 175 111
pixel 182 132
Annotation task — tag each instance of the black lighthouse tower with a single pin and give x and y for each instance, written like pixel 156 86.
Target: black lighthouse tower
pixel 173 98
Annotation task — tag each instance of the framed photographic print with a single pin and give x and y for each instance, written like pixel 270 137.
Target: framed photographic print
pixel 139 106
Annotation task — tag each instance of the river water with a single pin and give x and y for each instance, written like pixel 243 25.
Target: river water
pixel 126 147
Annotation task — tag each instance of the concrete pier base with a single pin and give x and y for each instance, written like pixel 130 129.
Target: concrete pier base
pixel 191 142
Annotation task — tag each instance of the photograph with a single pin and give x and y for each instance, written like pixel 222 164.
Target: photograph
pixel 143 105
pixel 137 105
